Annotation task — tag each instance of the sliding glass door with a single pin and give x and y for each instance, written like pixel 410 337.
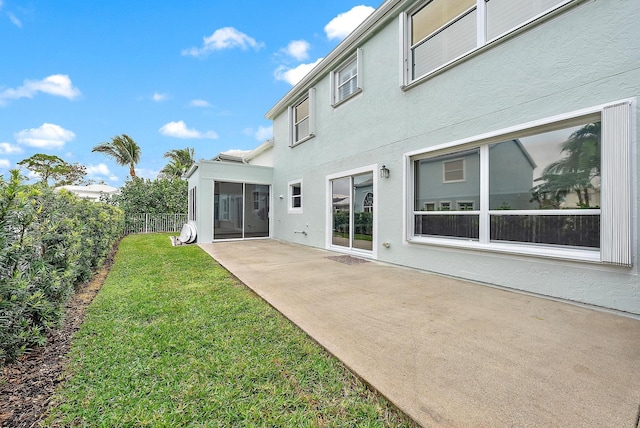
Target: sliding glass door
pixel 241 210
pixel 352 211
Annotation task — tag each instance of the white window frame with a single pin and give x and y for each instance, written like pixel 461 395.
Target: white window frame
pixel 482 41
pixel 426 205
pixel 329 212
pixel 310 95
pixel 290 197
pixel 618 215
pixel 443 204
pixel 458 203
pixel 335 79
pixel 365 207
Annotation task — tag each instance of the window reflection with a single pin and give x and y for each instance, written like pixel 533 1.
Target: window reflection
pixel 551 170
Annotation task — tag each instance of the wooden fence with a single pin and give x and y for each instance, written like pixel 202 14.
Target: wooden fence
pixel 149 223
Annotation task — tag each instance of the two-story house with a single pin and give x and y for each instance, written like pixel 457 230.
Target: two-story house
pixel 490 140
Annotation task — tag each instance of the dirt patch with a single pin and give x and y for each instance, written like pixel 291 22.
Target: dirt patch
pixel 348 260
pixel 27 385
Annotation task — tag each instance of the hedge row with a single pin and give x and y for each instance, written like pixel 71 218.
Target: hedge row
pixel 50 242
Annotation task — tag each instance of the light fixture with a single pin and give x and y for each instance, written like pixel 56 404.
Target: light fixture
pixel 384 171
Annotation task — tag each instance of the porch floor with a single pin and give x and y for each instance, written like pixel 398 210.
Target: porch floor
pixel 449 352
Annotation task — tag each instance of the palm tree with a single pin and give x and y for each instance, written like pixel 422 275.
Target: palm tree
pixel 180 160
pixel 576 171
pixel 123 150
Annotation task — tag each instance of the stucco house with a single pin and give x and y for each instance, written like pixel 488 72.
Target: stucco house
pixel 493 140
pixel 92 192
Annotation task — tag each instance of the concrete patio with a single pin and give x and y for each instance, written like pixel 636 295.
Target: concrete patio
pixel 449 352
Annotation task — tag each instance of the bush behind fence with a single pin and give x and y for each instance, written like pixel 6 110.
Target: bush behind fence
pixel 150 223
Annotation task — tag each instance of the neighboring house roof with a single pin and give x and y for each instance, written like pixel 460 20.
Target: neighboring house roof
pixel 380 17
pixel 92 191
pixel 238 156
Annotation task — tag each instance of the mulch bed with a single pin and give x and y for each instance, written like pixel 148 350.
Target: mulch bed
pixel 27 385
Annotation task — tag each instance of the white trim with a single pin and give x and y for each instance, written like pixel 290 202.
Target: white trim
pixel 373 169
pixel 545 251
pixel 444 171
pixel 448 203
pixel 616 174
pixel 482 43
pixel 290 208
pixel 379 18
pixel 311 101
pixel 335 75
pixel 466 202
pixel 403 59
pixel 244 184
pixel 624 236
pixel 312 112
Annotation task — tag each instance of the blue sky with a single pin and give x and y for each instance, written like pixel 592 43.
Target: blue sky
pixel 170 74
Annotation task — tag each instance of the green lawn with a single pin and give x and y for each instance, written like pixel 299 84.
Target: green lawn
pixel 173 340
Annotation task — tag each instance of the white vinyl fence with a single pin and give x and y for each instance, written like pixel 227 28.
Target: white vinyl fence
pixel 148 223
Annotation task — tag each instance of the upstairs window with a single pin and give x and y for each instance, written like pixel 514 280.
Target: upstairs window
pixel 453 171
pixel 346 80
pixel 439 32
pixel 301 119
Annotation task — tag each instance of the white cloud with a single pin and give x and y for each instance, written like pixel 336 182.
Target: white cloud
pixel 294 75
pixel 261 134
pixel 179 130
pixel 223 38
pixel 9 149
pixel 298 49
pixel 4 163
pixel 343 24
pixel 264 133
pixel 99 171
pixel 48 136
pixel 157 97
pixel 147 173
pixel 57 84
pixel 199 103
pixel 14 20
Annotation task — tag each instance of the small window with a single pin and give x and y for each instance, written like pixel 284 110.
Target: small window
pixel 346 81
pixel 429 206
pixel 445 206
pixel 192 204
pixel 295 196
pixel 301 118
pixel 453 171
pixel 465 205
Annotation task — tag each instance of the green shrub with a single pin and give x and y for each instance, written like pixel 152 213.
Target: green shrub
pixel 160 196
pixel 49 243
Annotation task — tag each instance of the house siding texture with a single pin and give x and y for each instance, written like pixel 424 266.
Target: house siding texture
pixel 587 55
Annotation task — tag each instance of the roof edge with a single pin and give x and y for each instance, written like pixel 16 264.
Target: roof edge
pixel 363 31
pixel 259 150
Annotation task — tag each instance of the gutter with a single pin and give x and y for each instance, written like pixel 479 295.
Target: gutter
pixel 191 170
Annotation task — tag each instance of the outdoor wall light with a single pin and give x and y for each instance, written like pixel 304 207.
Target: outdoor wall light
pixel 281 196
pixel 384 171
